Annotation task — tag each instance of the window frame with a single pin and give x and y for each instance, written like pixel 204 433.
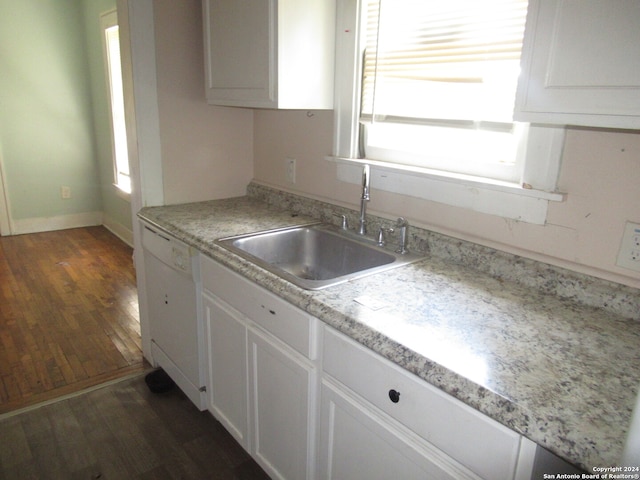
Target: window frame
pixel 525 201
pixel 118 143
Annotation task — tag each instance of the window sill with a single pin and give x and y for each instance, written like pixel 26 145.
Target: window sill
pixel 488 196
pixel 121 193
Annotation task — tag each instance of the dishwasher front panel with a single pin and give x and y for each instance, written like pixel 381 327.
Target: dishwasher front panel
pixel 171 299
pixel 172 311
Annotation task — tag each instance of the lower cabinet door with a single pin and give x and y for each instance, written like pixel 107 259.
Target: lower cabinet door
pixel 226 335
pixel 356 443
pixel 281 398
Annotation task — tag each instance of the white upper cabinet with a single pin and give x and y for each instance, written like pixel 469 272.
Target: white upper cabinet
pixel 581 64
pixel 269 53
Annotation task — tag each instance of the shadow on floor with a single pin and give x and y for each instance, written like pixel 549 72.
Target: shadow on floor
pixel 121 431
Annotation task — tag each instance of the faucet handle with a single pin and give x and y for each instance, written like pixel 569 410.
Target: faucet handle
pixel 343 221
pixel 382 240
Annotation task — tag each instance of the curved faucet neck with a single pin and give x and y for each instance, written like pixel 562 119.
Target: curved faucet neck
pixel 366 174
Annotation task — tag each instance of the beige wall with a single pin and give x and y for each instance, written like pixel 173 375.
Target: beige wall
pixel 206 150
pixel 600 174
pixel 213 152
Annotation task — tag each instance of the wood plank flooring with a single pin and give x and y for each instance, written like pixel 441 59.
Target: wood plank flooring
pixel 68 314
pixel 122 431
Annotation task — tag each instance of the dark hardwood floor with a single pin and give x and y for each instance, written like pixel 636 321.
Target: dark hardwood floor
pixel 69 323
pixel 68 314
pixel 122 431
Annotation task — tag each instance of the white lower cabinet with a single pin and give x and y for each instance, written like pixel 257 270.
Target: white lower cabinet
pixel 445 436
pixel 340 411
pixel 358 443
pixel 263 376
pixel 282 408
pixel 226 334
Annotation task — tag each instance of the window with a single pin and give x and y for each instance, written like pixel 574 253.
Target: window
pixel 426 90
pixel 111 44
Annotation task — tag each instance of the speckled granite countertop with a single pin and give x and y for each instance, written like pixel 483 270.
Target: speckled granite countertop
pixel 563 374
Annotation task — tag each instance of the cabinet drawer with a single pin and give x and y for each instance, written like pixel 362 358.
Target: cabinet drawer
pixel 476 441
pixel 288 323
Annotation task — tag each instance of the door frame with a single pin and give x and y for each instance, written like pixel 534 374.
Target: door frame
pixel 137 48
pixel 5 212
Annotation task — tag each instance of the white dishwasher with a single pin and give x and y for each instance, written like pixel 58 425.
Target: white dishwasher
pixel 176 332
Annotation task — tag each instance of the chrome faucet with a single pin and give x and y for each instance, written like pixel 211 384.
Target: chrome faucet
pixel 362 228
pixel 403 225
pixel 382 236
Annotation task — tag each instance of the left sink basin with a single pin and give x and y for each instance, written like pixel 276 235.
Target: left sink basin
pixel 314 256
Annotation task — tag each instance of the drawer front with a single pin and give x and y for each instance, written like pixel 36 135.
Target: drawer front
pixel 359 444
pixel 288 323
pixel 476 441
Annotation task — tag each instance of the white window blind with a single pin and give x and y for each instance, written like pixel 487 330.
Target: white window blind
pixel 447 63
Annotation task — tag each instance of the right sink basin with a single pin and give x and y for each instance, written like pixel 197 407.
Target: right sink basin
pixel 315 256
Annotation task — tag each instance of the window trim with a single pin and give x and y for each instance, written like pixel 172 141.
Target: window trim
pixel 525 201
pixel 108 20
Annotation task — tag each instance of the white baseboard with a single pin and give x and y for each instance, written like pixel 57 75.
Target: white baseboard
pixel 61 222
pixel 119 230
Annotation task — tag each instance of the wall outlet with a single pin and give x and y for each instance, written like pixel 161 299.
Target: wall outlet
pixel 629 253
pixel 290 169
pixel 65 192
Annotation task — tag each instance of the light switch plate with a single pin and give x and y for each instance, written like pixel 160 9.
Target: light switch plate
pixel 629 253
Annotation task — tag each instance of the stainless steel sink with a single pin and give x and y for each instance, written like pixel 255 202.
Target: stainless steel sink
pixel 314 256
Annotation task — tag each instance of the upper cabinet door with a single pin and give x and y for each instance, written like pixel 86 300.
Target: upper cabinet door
pixel 581 64
pixel 269 53
pixel 239 49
